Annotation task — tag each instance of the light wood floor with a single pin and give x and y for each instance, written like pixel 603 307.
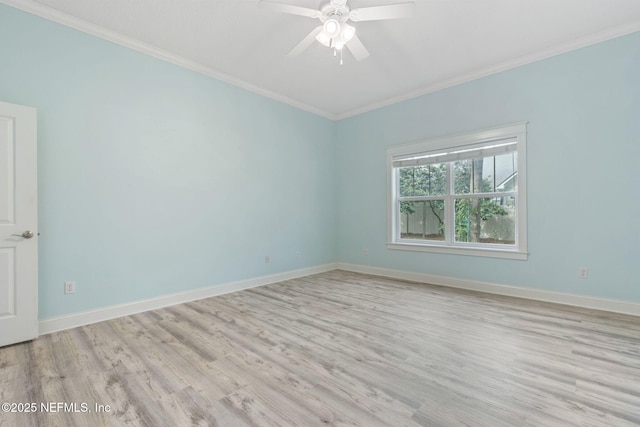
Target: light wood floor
pixel 336 348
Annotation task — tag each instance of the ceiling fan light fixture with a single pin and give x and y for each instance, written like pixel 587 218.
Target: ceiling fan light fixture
pixel 331 27
pixel 323 38
pixel 348 32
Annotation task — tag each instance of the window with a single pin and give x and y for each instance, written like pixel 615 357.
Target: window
pixel 463 194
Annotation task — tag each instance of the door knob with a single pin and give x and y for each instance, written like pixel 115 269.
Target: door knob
pixel 27 234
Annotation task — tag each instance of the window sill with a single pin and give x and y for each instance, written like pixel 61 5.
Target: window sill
pixel 457 250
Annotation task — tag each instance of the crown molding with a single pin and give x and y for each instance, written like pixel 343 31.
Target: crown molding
pixel 62 18
pixel 508 65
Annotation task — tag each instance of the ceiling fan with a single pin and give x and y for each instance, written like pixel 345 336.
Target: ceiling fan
pixel 334 31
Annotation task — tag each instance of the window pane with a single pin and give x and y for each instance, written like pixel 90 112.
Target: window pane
pixel 422 220
pixel 485 220
pixel 428 180
pixel 462 176
pixel 486 174
pixel 506 172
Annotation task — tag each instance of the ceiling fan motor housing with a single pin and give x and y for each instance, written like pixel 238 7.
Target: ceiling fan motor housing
pixel 335 9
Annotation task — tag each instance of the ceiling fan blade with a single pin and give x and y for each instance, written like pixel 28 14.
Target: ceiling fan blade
pixel 305 43
pixel 390 11
pixel 288 8
pixel 357 48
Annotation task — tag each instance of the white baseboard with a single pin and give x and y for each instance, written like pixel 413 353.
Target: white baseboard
pixel 616 306
pixel 60 323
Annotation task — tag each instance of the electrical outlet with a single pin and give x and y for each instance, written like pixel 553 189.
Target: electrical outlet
pixel 69 287
pixel 365 252
pixel 583 273
pixel 267 259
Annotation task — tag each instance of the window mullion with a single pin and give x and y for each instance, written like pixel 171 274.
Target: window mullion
pixel 398 224
pixel 486 195
pixel 419 198
pixel 449 209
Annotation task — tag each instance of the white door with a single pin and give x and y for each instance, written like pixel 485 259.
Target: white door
pixel 18 225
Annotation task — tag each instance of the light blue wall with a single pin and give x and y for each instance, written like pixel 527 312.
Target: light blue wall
pixel 154 179
pixel 583 110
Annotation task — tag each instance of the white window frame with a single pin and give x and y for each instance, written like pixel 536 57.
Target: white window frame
pixel 517 131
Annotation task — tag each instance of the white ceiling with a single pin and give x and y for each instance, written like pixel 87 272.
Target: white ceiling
pixel 444 43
